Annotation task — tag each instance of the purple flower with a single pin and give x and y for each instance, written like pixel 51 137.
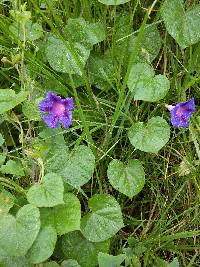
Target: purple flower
pixel 58 109
pixel 181 113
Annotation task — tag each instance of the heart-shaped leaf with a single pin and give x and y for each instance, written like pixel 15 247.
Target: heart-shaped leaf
pixel 47 194
pixel 150 137
pixel 129 179
pixel 8 99
pixel 43 245
pixel 65 217
pixel 79 167
pixel 18 234
pixel 145 85
pixel 6 201
pixel 104 220
pixel 15 262
pixel 183 26
pixel 76 247
pixel 113 2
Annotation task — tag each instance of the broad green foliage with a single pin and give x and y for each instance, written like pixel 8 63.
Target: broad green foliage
pixel 1 139
pixel 113 2
pixel 12 167
pixel 80 166
pixel 128 179
pixel 80 31
pixel 9 99
pixel 145 84
pixel 51 264
pixel 47 194
pixel 56 160
pixel 15 262
pixel 150 44
pixel 149 137
pixel 32 31
pixel 18 234
pixel 70 263
pixel 64 56
pixel 65 217
pixel 43 245
pixel 183 26
pixel 104 220
pixel 76 247
pixel 6 201
pixel 106 260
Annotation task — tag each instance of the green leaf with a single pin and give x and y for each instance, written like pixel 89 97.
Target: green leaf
pixel 106 260
pixel 6 201
pixel 70 263
pixel 12 167
pixel 47 194
pixel 113 2
pixel 65 57
pixel 129 179
pixel 51 264
pixel 2 159
pixel 76 247
pixel 43 245
pixel 150 43
pixel 1 139
pixel 104 220
pixel 8 99
pixel 80 31
pixel 80 166
pixel 15 262
pixel 65 217
pixel 18 234
pixel 174 263
pixel 183 26
pixel 150 137
pixel 30 110
pixel 145 85
pixel 33 31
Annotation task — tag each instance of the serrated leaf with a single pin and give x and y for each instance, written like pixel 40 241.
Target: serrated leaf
pixel 9 99
pixel 183 26
pixel 104 220
pixel 18 234
pixel 6 201
pixel 80 166
pixel 76 247
pixel 113 2
pixel 47 194
pixel 66 57
pixel 128 179
pixel 70 263
pixel 150 137
pixel 65 217
pixel 106 260
pixel 12 167
pixel 145 85
pixel 43 245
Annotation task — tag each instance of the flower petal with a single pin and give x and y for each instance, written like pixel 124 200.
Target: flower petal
pixel 69 103
pixel 51 120
pixel 66 119
pixel 45 106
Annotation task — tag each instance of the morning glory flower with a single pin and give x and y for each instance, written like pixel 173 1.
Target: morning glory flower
pixel 55 110
pixel 181 113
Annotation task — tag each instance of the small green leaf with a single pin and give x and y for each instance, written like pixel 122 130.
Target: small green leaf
pixel 145 85
pixel 150 137
pixel 65 217
pixel 183 26
pixel 129 179
pixel 113 2
pixel 174 263
pixel 8 99
pixel 70 263
pixel 104 220
pixel 76 247
pixel 12 167
pixel 66 57
pixel 106 260
pixel 1 139
pixel 18 234
pixel 47 194
pixel 6 201
pixel 80 166
pixel 43 245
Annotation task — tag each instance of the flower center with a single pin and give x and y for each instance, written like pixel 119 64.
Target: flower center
pixel 58 108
